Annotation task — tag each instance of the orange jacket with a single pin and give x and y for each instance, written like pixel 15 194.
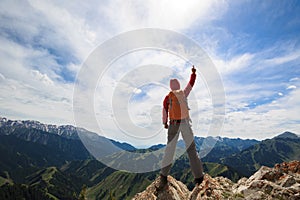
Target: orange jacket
pixel 166 101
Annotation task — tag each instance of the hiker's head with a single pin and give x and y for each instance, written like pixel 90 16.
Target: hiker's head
pixel 174 84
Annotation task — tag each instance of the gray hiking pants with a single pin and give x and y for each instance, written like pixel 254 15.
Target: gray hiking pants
pixel 188 137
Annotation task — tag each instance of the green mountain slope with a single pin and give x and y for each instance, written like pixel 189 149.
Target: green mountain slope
pixel 5 179
pixel 54 183
pixel 20 158
pixel 267 153
pixel 88 172
pixel 22 191
pixel 120 185
pixel 47 183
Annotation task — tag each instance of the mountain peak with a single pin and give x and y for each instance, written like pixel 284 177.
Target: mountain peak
pixel 288 134
pixel 282 181
pixel 67 131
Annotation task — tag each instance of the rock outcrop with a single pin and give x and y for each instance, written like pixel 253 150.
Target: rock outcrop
pixel 280 182
pixel 175 190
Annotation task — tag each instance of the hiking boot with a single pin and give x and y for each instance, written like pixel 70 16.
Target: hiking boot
pixel 198 181
pixel 163 180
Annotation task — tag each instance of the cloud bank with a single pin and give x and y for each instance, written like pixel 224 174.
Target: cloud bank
pixel 254 45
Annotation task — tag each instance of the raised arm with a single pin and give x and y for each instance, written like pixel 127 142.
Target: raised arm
pixel 191 83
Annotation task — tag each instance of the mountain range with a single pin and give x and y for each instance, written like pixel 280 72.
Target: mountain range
pixel 284 147
pixel 39 161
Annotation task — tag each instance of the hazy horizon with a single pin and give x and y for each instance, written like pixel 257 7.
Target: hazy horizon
pixel 163 143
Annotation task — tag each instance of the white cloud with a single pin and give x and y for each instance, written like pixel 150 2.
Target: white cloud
pixel 42 41
pixel 41 77
pixel 264 121
pixel 291 56
pixel 68 30
pixel 137 90
pixel 18 60
pixel 38 101
pixel 291 87
pixel 36 39
pixel 246 117
pixel 175 15
pixel 294 79
pixel 234 64
pixel 2 77
pixel 146 73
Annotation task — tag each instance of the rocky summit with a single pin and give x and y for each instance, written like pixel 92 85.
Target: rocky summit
pixel 280 182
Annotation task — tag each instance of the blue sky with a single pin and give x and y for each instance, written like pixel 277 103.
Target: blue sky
pixel 255 46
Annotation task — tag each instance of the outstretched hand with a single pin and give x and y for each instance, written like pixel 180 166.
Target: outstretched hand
pixel 194 70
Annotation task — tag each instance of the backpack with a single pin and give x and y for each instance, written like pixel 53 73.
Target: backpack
pixel 178 107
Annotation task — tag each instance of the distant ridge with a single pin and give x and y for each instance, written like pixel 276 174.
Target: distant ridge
pixel 282 148
pixel 288 134
pixel 66 131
